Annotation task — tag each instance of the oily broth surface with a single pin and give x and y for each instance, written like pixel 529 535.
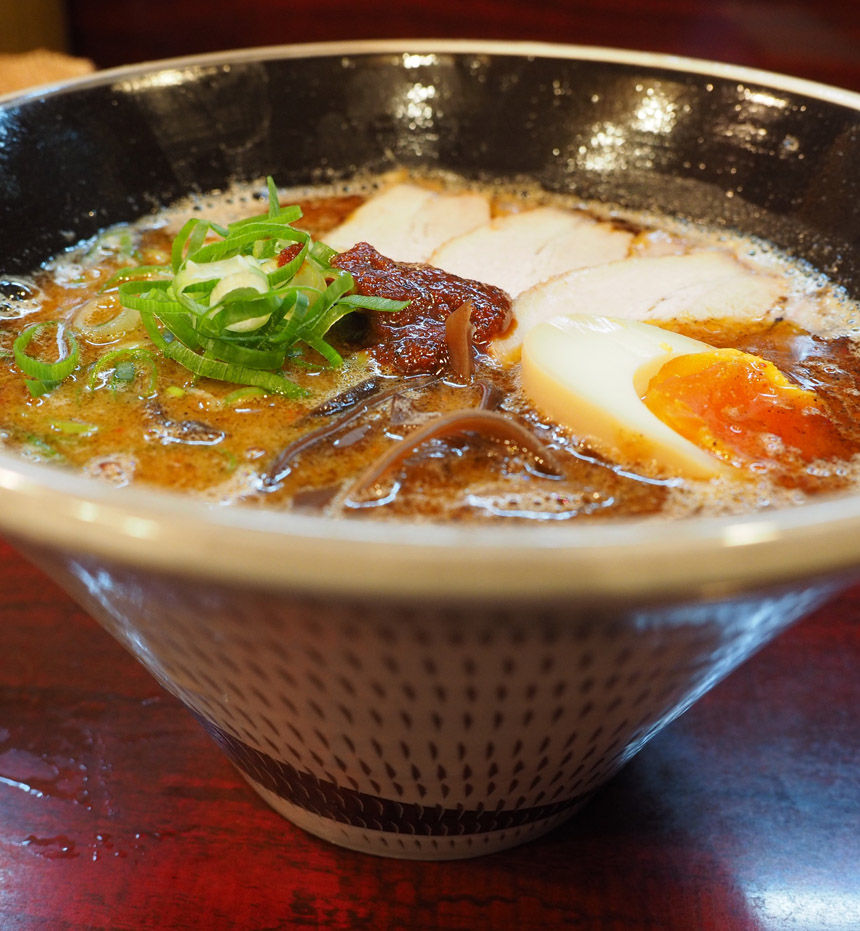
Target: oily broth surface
pixel 188 438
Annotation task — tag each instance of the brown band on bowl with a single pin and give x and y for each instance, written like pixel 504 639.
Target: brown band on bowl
pixel 362 810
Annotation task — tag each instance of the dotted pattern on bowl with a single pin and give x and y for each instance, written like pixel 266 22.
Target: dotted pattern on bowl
pixel 431 731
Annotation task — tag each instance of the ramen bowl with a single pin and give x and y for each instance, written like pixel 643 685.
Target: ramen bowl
pixel 432 690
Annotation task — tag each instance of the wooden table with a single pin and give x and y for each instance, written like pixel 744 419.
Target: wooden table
pixel 116 812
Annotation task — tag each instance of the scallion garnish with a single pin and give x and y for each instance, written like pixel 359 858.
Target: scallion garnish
pixel 235 303
pixel 242 394
pixel 74 427
pixel 45 376
pixel 119 368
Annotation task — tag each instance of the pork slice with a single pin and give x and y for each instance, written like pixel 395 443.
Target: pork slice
pixel 406 222
pixel 695 286
pixel 518 250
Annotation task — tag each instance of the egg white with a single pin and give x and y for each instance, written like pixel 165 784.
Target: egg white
pixel 589 373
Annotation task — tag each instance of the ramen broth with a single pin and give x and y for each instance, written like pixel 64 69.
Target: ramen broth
pixel 150 421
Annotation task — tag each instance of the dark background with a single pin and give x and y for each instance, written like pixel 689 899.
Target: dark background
pixel 817 39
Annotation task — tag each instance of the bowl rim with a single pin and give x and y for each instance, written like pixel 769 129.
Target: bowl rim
pixel 426 46
pixel 613 560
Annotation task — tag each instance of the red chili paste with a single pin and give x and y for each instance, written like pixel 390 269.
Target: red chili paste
pixel 412 341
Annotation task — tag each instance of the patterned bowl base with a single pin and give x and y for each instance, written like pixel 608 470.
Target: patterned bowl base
pixel 404 845
pixel 382 826
pixel 427 730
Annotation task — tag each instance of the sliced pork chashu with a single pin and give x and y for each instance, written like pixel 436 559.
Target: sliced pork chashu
pixel 694 286
pixel 406 222
pixel 519 250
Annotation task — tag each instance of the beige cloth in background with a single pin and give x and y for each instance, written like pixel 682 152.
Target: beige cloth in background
pixel 29 69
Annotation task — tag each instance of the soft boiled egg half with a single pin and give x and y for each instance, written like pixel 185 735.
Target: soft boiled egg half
pixel 675 405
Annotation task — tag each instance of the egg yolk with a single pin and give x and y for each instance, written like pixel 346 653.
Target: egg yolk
pixel 744 410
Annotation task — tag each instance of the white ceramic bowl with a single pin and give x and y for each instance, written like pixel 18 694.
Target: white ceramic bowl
pixel 448 690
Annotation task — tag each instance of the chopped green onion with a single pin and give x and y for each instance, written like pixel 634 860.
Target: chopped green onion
pixel 120 320
pixel 123 366
pixel 226 308
pixel 242 394
pixel 136 272
pixel 124 371
pixel 74 427
pixel 45 376
pixel 226 371
pixel 41 447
